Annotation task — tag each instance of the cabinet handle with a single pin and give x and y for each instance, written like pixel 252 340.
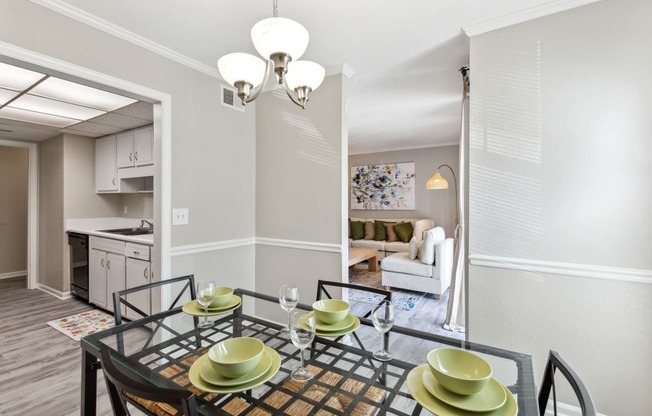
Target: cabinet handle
pixel 130 158
pixel 102 262
pixel 136 252
pixel 145 272
pixel 136 155
pixel 108 264
pixel 113 181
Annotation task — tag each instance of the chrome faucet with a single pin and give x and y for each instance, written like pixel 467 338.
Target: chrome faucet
pixel 143 222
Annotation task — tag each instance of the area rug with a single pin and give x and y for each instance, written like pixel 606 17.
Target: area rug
pixel 82 324
pixel 403 301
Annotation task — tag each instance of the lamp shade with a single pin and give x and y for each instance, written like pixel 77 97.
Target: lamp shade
pixel 437 182
pixel 279 35
pixel 242 67
pixel 305 74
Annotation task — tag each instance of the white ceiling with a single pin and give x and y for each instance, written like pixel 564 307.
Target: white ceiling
pixel 405 55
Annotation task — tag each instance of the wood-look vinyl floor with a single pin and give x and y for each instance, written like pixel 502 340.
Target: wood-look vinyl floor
pixel 40 368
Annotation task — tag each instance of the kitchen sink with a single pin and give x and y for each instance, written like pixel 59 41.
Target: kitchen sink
pixel 129 231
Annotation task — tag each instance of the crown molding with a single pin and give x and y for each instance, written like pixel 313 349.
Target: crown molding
pixel 524 15
pixel 642 276
pixel 121 33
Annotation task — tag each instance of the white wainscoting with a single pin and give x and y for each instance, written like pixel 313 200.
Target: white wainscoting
pixel 227 244
pixel 569 269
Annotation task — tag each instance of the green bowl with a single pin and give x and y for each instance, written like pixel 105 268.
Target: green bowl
pixel 235 357
pixel 459 371
pixel 330 311
pixel 222 296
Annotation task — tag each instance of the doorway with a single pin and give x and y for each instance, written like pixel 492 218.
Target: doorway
pixel 161 102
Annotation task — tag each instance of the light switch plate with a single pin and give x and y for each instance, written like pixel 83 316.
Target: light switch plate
pixel 179 216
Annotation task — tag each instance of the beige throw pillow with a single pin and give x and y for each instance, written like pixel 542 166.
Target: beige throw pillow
pixel 427 251
pixel 369 231
pixel 413 249
pixel 391 234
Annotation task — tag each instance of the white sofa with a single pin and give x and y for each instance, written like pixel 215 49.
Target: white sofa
pixel 398 270
pixel 386 248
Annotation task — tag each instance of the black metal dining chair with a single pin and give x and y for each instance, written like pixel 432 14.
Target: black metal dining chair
pixel 120 298
pixel 323 285
pixel 555 362
pixel 151 400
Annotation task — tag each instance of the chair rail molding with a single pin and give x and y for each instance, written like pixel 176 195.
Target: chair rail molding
pixel 570 269
pixel 299 245
pixel 190 249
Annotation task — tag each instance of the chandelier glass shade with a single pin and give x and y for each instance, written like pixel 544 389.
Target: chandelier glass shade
pixel 281 42
pixel 280 35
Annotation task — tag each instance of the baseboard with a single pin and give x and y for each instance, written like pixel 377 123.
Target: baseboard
pixel 54 292
pixel 13 274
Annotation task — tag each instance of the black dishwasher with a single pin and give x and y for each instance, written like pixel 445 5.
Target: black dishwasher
pixel 78 264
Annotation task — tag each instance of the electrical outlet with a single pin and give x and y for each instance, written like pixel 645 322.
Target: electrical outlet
pixel 180 216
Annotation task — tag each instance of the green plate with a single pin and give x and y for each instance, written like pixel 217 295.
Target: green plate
pixel 195 375
pixel 489 398
pixel 431 403
pixel 210 374
pixel 323 327
pixel 193 308
pixel 356 324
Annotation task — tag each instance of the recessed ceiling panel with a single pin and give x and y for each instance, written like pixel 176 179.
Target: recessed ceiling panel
pixel 90 128
pixel 6 95
pixel 62 90
pixel 120 121
pixel 37 118
pixel 54 107
pixel 138 109
pixel 15 78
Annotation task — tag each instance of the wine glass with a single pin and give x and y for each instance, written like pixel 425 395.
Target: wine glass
pixel 288 297
pixel 205 295
pixel 383 318
pixel 302 333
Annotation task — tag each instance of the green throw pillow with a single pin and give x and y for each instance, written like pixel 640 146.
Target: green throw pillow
pixel 357 230
pixel 381 232
pixel 404 231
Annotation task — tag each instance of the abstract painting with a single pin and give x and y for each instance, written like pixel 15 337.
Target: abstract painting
pixel 388 186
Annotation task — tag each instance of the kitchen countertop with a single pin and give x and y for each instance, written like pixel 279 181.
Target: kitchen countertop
pixel 92 226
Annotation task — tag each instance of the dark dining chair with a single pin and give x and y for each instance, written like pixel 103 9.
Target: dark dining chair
pixel 149 399
pixel 555 362
pixel 120 298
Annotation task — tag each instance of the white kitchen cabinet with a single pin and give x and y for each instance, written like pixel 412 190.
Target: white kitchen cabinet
pixel 138 273
pixel 106 171
pixel 97 278
pixel 115 277
pixel 144 146
pixel 135 148
pixel 125 149
pixel 106 272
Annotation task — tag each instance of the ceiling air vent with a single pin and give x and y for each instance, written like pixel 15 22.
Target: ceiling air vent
pixel 230 99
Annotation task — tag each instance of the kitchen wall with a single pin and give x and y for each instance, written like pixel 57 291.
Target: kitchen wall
pixel 559 189
pixel 14 175
pixel 51 219
pixel 300 163
pixel 212 149
pixel 438 205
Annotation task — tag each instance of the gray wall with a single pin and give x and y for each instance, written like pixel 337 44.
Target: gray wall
pixel 438 205
pixel 51 220
pixel 14 174
pixel 213 147
pixel 299 195
pixel 559 176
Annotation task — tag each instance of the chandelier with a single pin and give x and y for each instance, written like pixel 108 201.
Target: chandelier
pixel 281 42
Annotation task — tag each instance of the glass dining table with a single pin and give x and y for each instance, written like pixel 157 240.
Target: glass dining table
pixel 162 348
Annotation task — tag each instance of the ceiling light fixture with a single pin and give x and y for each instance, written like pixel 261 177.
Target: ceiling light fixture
pixel 281 42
